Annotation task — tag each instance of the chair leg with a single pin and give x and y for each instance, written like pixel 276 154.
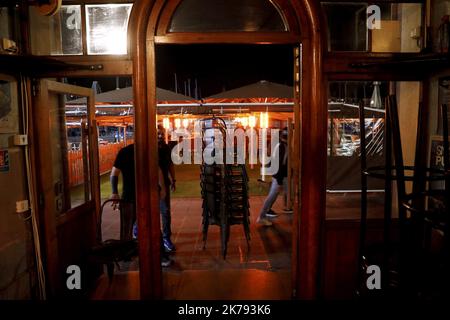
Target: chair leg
pixel 205 227
pixel 110 270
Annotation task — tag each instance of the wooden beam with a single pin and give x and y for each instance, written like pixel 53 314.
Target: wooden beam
pixel 94 68
pixel 231 38
pixel 147 203
pixel 46 190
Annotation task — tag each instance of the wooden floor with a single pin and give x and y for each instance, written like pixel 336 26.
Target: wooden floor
pixel 227 284
pixel 258 271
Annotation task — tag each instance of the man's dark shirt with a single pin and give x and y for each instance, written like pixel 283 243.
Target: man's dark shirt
pixel 125 163
pixel 165 160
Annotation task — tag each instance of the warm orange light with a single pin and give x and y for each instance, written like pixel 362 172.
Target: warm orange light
pixel 166 123
pixel 185 123
pixel 251 121
pixel 264 120
pixel 177 123
pixel 244 121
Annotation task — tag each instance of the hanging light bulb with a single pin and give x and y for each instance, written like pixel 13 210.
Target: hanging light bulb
pixel 185 123
pixel 166 123
pixel 244 121
pixel 264 120
pixel 177 123
pixel 252 121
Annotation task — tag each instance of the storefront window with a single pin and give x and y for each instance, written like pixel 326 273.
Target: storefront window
pixel 400 28
pixel 374 27
pixel 344 127
pixel 107 28
pixel 60 34
pixel 227 16
pixel 347 29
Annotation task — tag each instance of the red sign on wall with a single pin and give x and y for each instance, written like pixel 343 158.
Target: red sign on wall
pixel 4 161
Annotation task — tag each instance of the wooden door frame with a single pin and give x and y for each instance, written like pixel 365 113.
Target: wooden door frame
pixel 49 221
pixel 144 33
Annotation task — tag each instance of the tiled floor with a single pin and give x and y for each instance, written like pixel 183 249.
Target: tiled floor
pixel 263 267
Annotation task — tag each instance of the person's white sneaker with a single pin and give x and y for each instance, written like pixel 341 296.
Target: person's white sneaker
pixel 264 221
pixel 165 261
pixel 271 214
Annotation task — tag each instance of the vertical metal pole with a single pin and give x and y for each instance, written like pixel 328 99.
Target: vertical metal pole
pixel 444 110
pixel 176 84
pixel 189 87
pixel 363 222
pixel 331 133
pixel 406 264
pixel 387 197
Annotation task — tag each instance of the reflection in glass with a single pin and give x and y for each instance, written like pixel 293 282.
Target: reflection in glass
pixel 347 29
pixel 107 28
pixel 227 16
pixel 343 146
pixel 60 34
pixel 77 156
pixel 69 141
pixel 401 25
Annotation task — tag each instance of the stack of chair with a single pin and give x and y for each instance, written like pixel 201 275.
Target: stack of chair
pixel 224 193
pixel 236 198
pixel 411 265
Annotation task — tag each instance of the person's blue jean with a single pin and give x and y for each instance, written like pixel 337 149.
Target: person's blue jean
pixel 166 220
pixel 275 189
pixel 164 208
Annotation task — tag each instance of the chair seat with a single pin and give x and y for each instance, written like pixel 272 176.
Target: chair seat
pixel 114 250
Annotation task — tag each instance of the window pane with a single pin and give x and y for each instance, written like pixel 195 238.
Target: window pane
pixel 4 23
pixel 107 28
pixel 439 9
pixel 344 132
pixel 69 149
pixel 56 35
pixel 401 25
pixel 229 15
pixel 347 30
pixel 399 29
pixel 9 23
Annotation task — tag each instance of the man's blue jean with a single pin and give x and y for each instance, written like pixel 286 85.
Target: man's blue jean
pixel 166 218
pixel 275 189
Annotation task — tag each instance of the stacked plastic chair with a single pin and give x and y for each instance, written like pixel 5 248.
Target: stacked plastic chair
pixel 224 193
pixel 237 199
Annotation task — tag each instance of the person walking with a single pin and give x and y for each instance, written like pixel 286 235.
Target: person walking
pixel 168 173
pixel 279 182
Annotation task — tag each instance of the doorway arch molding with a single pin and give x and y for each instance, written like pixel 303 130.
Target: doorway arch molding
pixel 145 30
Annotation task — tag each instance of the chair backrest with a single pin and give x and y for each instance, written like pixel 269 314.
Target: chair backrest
pixel 119 202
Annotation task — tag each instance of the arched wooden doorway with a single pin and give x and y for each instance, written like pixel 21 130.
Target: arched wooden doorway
pixel 149 26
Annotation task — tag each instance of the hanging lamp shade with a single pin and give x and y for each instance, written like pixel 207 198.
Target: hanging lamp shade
pixel 375 100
